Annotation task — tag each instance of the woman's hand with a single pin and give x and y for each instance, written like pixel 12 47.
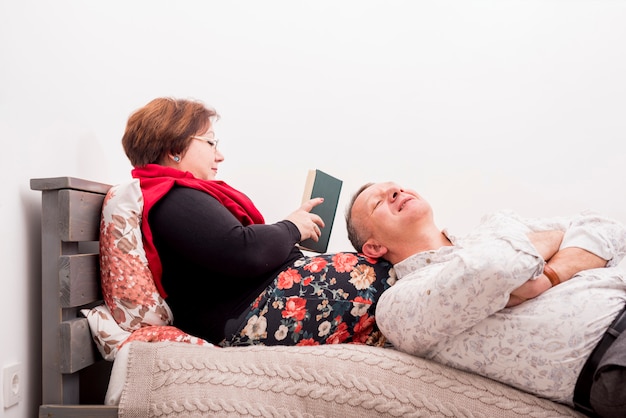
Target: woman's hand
pixel 308 223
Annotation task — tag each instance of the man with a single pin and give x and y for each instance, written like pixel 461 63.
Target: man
pixel 521 301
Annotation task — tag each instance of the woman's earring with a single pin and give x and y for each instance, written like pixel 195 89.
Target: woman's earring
pixel 176 158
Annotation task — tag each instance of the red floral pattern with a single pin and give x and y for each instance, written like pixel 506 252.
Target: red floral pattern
pixel 133 309
pixel 324 299
pixel 127 285
pixel 163 333
pixel 110 338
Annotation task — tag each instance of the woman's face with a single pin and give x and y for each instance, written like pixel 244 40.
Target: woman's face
pixel 202 156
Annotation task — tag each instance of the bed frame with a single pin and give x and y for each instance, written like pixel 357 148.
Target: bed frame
pixel 74 375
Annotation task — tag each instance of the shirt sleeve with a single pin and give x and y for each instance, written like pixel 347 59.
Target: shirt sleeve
pixel 597 234
pixel 440 300
pixel 208 234
pixel 588 230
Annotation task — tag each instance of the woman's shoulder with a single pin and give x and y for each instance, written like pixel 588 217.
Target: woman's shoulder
pixel 185 200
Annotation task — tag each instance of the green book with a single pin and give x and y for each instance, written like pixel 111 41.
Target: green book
pixel 320 184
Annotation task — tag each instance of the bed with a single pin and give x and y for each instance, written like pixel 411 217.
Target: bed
pixel 183 377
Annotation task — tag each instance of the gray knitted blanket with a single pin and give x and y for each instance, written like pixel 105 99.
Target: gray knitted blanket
pixel 182 380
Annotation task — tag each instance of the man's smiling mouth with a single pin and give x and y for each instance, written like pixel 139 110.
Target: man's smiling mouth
pixel 404 202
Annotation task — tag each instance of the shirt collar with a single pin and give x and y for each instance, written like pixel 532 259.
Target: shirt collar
pixel 424 258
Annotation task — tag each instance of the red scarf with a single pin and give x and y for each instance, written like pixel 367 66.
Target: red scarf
pixel 156 180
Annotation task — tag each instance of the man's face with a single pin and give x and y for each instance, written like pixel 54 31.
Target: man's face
pixel 389 212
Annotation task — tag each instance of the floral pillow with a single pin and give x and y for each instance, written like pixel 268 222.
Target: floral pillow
pixel 133 309
pixel 127 285
pixel 110 338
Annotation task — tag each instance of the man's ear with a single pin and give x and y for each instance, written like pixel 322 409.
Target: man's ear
pixel 373 249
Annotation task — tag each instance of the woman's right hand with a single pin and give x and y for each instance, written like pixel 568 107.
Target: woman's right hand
pixel 309 224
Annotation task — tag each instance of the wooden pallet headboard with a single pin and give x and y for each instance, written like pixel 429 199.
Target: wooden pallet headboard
pixel 74 375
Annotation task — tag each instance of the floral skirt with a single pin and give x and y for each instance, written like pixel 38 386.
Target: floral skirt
pixel 324 299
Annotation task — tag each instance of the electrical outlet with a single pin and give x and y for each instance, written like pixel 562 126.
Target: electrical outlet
pixel 12 384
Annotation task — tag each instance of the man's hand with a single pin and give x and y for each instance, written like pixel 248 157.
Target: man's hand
pixel 547 243
pixel 565 263
pixel 569 261
pixel 530 289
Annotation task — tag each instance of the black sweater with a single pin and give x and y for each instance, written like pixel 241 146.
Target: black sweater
pixel 213 266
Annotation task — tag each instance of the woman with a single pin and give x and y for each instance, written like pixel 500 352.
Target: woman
pixel 227 276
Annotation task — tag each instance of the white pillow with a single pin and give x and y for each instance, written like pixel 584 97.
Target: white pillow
pixel 106 333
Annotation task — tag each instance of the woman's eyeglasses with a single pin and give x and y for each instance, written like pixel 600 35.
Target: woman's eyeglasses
pixel 210 140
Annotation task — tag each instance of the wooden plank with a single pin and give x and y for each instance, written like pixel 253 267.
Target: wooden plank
pixel 57 183
pixel 78 411
pixel 79 276
pixel 80 215
pixel 77 347
pixel 56 388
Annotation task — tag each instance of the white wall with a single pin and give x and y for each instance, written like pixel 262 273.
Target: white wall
pixel 478 105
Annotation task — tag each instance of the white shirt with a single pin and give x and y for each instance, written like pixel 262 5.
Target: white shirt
pixel 449 304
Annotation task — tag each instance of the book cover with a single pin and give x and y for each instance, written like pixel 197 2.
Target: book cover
pixel 320 184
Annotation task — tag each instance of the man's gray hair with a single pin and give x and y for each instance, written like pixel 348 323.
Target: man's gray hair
pixel 356 233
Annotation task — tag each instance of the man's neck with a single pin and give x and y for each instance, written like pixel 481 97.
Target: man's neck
pixel 430 241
